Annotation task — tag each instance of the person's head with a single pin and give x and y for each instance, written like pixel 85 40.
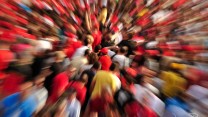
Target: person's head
pixel 83 78
pixel 114 67
pixel 97 48
pixel 87 52
pixel 60 55
pixel 92 58
pixel 86 42
pixel 138 61
pixel 123 50
pixel 96 66
pixel 71 93
pixel 71 70
pixel 104 51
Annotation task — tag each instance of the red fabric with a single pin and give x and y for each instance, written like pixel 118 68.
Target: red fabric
pixel 60 83
pixel 114 19
pixel 97 38
pixel 131 72
pixel 168 53
pixel 152 52
pixel 98 105
pixel 179 3
pixel 105 62
pixel 11 84
pixel 81 90
pixel 192 47
pixel 104 50
pixel 68 4
pixel 140 50
pixel 8 36
pixel 6 57
pixel 134 109
pixel 149 112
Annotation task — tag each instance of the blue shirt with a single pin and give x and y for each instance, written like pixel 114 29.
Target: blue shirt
pixel 177 102
pixel 73 108
pixel 13 107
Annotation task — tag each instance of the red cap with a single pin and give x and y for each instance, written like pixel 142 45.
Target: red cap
pixel 104 50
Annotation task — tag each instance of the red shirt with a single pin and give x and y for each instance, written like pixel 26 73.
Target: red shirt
pixel 59 85
pixel 5 57
pixel 97 38
pixel 81 90
pixel 11 83
pixel 105 61
pixel 98 105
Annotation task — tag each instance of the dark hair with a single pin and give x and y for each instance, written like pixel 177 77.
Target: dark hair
pixel 92 58
pixel 123 50
pixel 139 79
pixel 86 41
pixel 87 52
pixel 96 65
pixel 97 48
pixel 114 66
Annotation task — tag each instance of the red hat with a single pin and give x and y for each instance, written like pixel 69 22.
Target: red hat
pixel 104 50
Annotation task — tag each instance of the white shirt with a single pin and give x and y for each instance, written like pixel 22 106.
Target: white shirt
pixel 73 108
pixel 153 101
pixel 118 82
pixel 122 60
pixel 79 52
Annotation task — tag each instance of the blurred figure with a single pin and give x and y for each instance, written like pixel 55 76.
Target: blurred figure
pixel 55 68
pixel 104 59
pixel 174 81
pixel 121 58
pixel 19 104
pixel 73 105
pixel 90 74
pixel 80 87
pixel 60 83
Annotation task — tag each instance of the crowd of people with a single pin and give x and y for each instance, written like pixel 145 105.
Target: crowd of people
pixel 103 58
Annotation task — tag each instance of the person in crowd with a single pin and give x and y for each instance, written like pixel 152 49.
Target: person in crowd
pixel 73 106
pixel 19 104
pixel 121 58
pixel 92 58
pixel 80 51
pixel 104 59
pixel 78 62
pixel 55 68
pixel 60 82
pixel 90 74
pixel 174 81
pixel 80 87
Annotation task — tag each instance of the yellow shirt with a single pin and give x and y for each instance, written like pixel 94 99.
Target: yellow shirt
pixel 173 83
pixel 101 80
pixel 103 15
